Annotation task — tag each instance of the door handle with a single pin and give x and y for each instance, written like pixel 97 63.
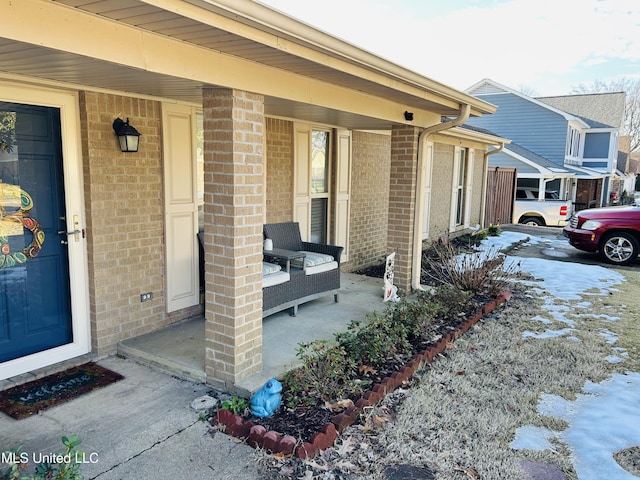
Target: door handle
pixel 76 232
pixel 65 241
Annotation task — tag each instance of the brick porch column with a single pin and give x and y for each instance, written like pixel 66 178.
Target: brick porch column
pixel 233 205
pixel 402 201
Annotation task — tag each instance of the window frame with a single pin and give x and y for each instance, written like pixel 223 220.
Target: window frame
pixel 574 145
pixel 461 185
pixel 323 237
pixel 461 188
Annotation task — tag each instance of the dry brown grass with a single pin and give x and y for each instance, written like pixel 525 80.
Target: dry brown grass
pixel 468 405
pixel 626 301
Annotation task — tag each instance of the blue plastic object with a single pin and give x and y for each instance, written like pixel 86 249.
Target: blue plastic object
pixel 266 401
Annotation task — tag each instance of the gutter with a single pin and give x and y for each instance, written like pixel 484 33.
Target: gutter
pixel 416 265
pixel 485 174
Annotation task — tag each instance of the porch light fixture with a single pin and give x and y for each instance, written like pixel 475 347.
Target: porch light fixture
pixel 408 116
pixel 128 137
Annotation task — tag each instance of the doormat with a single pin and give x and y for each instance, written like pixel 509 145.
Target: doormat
pixel 32 397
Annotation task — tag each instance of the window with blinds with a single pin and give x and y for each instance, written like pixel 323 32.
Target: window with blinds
pixel 319 185
pixel 460 187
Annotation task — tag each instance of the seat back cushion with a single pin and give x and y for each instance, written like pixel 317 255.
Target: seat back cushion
pixel 284 235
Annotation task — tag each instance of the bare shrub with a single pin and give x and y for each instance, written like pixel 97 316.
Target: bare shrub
pixel 478 272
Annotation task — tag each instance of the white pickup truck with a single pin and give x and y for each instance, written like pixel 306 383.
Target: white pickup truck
pixel 551 211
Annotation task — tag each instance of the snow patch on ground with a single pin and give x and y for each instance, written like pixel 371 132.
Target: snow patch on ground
pixel 609 336
pixel 547 333
pixel 602 421
pixel 602 316
pixel 569 281
pixel 563 281
pixel 533 438
pixel 604 418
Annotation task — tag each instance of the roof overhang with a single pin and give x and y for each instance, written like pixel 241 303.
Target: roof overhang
pixel 468 134
pixel 586 173
pixel 172 49
pixel 578 123
pixel 553 172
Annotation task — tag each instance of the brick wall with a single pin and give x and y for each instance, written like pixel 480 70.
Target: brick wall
pixel 279 144
pixel 402 187
pixel 441 184
pixel 233 211
pixel 124 214
pixel 369 199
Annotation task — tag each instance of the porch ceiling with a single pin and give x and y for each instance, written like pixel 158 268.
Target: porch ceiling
pixel 239 29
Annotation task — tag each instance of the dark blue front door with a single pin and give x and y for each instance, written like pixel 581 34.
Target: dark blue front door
pixel 35 311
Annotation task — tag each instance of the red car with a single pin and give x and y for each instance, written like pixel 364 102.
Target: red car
pixel 613 232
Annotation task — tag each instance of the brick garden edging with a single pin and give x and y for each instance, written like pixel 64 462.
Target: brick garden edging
pixel 258 437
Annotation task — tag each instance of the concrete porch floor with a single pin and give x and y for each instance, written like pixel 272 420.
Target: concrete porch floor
pixel 180 349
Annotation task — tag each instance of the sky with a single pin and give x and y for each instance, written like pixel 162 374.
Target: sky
pixel 600 417
pixel 543 48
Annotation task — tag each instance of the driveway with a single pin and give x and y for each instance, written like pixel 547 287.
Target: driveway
pixel 554 246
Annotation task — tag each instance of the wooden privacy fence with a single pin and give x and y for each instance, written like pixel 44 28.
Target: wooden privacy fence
pixel 501 188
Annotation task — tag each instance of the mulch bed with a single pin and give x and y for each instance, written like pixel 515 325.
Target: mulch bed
pixel 307 430
pixel 302 423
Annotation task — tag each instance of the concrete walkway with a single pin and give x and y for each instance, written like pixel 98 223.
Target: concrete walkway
pixel 138 428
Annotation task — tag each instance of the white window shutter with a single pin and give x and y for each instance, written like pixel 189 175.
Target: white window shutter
pixel 181 211
pixel 343 190
pixel 301 178
pixel 427 179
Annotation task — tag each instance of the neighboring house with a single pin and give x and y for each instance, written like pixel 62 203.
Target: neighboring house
pixel 246 116
pixel 624 179
pixel 568 144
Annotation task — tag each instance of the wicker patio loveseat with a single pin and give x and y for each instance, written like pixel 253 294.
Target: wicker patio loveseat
pixel 295 272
